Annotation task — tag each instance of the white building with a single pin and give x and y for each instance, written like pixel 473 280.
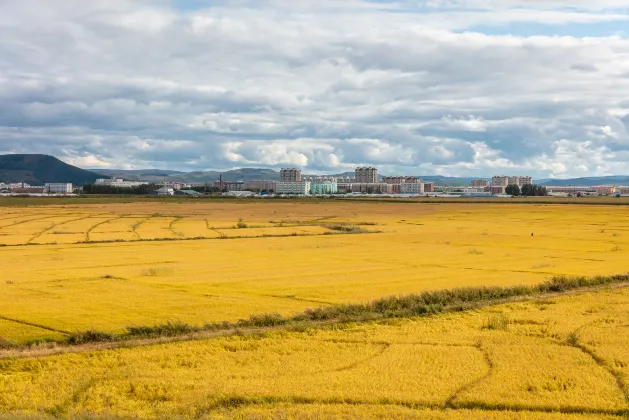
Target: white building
pixel 411 188
pixel 291 187
pixel 58 188
pixel 119 182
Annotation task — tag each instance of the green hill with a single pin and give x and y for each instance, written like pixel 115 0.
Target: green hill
pixel 39 169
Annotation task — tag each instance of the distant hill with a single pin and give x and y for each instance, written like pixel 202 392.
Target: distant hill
pixel 39 169
pixel 585 182
pixel 157 175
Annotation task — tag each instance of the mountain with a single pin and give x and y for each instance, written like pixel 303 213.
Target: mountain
pixel 39 169
pixel 585 182
pixel 159 175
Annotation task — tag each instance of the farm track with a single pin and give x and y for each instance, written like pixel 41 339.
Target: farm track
pixel 33 324
pixel 29 220
pixel 51 349
pixel 54 225
pixel 91 228
pixel 575 342
pixel 451 400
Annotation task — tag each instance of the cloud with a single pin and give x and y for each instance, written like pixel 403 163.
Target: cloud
pixel 415 87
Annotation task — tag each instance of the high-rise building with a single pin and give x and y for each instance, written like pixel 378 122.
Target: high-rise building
pixel 503 181
pixel 499 181
pixel 290 175
pixel 366 175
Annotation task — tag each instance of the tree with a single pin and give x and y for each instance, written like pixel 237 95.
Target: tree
pixel 533 190
pixel 513 190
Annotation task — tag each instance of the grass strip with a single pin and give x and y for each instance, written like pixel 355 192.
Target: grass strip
pixel 413 305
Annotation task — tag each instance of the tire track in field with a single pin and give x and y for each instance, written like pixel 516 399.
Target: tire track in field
pixel 33 324
pixel 236 401
pixel 171 226
pixel 54 225
pixel 575 342
pixel 31 220
pixel 450 401
pixel 91 228
pixel 139 223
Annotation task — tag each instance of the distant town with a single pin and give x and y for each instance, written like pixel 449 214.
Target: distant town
pixel 366 180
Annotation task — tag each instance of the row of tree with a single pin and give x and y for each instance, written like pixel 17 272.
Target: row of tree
pixel 529 190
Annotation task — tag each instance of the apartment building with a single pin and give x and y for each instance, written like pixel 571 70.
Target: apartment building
pixel 290 175
pixel 480 183
pixel 325 187
pixel 497 189
pixel 401 180
pixel 503 181
pixel 366 175
pixel 604 189
pixel 260 185
pixel 429 187
pixel 320 179
pixel 411 188
pixel 292 187
pixel 58 188
pixel 499 181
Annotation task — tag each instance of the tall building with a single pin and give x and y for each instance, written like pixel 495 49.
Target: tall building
pixel 429 187
pixel 480 183
pixel 499 181
pixel 290 175
pixel 503 181
pixel 366 175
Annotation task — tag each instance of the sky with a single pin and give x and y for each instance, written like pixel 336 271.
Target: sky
pixel 432 87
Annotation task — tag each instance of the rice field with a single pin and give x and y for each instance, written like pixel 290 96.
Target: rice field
pixel 554 358
pixel 106 267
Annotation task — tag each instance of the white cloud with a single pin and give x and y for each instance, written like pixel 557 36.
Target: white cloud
pixel 406 85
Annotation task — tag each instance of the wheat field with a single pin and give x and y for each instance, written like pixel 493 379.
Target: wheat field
pixel 59 277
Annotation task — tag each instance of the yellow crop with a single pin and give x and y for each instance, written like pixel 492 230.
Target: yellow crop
pixel 448 366
pixel 270 266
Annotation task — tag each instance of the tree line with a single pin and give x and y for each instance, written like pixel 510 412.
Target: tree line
pixel 528 190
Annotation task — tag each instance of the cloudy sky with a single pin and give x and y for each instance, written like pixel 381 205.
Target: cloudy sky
pixel 422 87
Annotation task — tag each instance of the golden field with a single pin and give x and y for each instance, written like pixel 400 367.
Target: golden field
pixel 548 357
pixel 58 278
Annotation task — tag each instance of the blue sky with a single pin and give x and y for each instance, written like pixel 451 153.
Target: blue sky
pixel 450 87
